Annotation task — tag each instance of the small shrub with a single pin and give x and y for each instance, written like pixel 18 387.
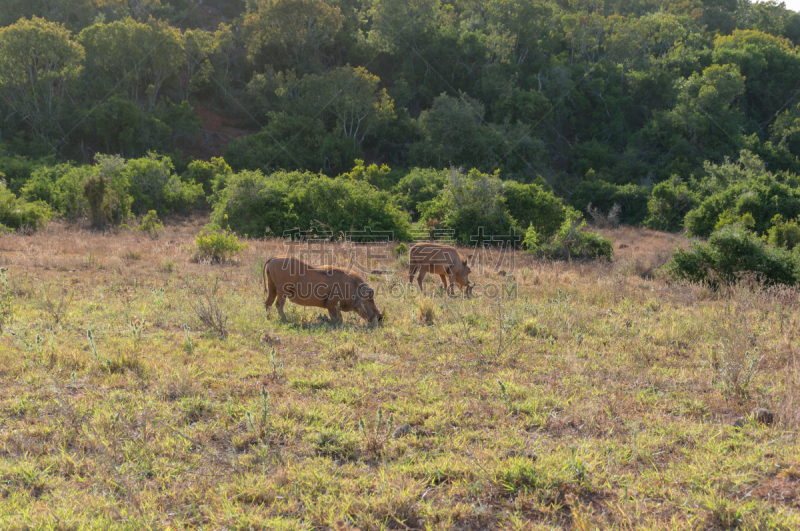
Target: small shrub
pixel 216 244
pixel 426 311
pixel 132 255
pixel 151 225
pixel 168 266
pixel 205 303
pixel 401 250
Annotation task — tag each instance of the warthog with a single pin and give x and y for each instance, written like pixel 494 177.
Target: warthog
pixel 332 288
pixel 442 260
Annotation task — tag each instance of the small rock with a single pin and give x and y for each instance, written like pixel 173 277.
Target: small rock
pixel 502 273
pixel 759 415
pixel 763 416
pixel 622 246
pixel 401 431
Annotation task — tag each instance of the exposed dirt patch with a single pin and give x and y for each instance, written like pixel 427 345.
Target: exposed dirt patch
pixel 216 132
pixel 781 490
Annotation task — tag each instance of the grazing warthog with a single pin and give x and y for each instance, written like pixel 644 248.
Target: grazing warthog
pixel 442 260
pixel 332 288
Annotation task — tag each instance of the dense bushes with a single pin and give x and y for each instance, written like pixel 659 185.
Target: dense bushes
pixel 669 203
pixel 253 203
pixel 530 204
pixel 604 195
pixel 154 186
pixel 472 207
pixel 572 241
pixel 730 252
pixel 418 187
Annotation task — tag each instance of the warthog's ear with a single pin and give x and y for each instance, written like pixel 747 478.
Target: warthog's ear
pixel 469 258
pixel 369 293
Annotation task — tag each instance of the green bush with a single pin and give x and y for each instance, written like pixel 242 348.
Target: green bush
pixel 253 203
pixel 61 187
pixel 418 187
pixel 763 198
pixel 216 244
pixel 669 203
pixel 401 250
pixel 18 169
pixel 154 186
pixel 151 224
pixel 473 206
pixel 572 241
pixel 210 175
pixel 731 251
pixel 784 233
pixel 106 192
pixel 295 142
pixel 603 195
pixel 19 214
pixel 531 204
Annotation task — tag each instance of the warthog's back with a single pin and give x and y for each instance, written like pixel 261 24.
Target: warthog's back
pixel 435 254
pixel 310 284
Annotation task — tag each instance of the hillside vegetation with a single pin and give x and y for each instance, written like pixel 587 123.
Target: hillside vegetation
pixel 675 111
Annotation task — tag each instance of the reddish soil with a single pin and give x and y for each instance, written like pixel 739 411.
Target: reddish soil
pixel 780 490
pixel 216 132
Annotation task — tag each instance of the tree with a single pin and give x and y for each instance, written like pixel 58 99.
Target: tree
pixel 292 33
pixel 39 62
pixel 352 96
pixel 131 57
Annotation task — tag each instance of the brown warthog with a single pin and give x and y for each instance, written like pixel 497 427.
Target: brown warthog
pixel 332 288
pixel 438 259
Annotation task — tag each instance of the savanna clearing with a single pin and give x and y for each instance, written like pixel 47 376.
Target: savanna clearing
pixel 599 397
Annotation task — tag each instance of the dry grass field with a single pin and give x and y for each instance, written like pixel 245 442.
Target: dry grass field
pixel 590 396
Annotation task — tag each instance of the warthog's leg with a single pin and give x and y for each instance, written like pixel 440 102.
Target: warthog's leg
pixel 279 305
pixel 422 272
pixel 412 270
pixel 334 312
pixel 444 280
pixel 273 293
pixel 452 278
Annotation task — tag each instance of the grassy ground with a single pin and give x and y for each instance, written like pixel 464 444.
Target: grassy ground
pixel 598 397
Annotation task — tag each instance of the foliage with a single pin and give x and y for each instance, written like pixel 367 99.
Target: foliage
pixel 472 207
pixel 106 192
pixel 531 205
pixel 604 195
pixel 419 186
pixel 730 252
pixel 253 203
pixel 572 241
pixel 300 142
pixel 216 244
pixel 784 233
pixel 734 190
pixel 154 186
pixel 211 175
pixel 669 203
pixel 39 63
pixel 151 225
pixel 61 187
pixel 19 214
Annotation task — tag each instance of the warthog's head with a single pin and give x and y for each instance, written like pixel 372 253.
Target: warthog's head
pixel 365 305
pixel 461 276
